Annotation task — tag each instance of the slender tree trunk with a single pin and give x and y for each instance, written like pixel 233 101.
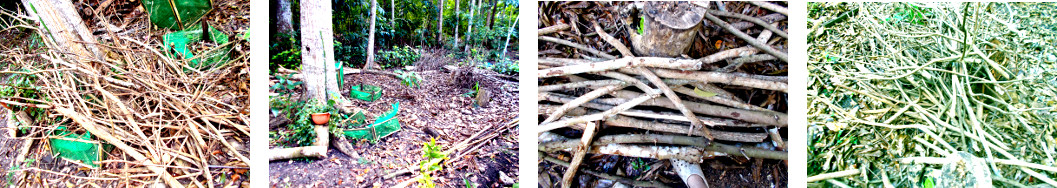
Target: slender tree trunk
pixel 507 43
pixel 317 49
pixel 370 38
pixel 469 29
pixel 491 14
pixel 440 23
pixel 392 20
pixel 285 17
pixel 456 45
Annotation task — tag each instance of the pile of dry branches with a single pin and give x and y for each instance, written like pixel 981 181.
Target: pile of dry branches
pixel 961 96
pixel 685 110
pixel 169 123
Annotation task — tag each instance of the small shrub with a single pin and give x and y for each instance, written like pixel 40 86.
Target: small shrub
pixel 286 52
pixel 508 67
pixel 397 57
pixel 285 86
pixel 473 92
pixel 432 156
pixel 408 78
pixel 302 131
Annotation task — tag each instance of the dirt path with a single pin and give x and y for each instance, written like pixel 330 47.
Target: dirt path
pixel 435 108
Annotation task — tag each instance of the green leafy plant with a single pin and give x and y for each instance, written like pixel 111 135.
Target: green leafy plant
pixel 398 57
pixel 910 13
pixel 432 157
pixel 467 182
pixel 301 132
pixel 505 66
pixel 23 86
pixel 473 92
pixel 642 25
pixel 285 86
pixel 408 78
pixel 639 164
pixel 286 52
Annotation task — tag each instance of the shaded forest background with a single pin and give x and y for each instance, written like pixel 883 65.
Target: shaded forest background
pixel 403 29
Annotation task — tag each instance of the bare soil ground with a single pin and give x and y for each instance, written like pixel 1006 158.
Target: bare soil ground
pixel 437 108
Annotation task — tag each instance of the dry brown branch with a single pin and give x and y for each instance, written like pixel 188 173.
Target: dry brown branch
pixel 656 62
pixel 106 136
pixel 624 121
pixel 843 173
pixel 595 117
pixel 580 100
pixel 613 41
pixel 755 20
pixel 579 152
pixel 724 78
pixel 752 41
pixel 771 6
pixel 770 118
pixel 566 86
pixel 552 29
pixel 678 103
pixel 648 114
pixel 578 46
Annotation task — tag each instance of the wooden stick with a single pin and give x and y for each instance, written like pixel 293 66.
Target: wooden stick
pixel 656 62
pixel 566 86
pixel 580 100
pixel 578 154
pixel 752 41
pixel 595 117
pixel 727 54
pixel 719 99
pixel 771 6
pixel 648 114
pixel 91 127
pixel 724 78
pixel 770 118
pixel 843 173
pixel 624 121
pixel 552 29
pixel 755 20
pixel 694 122
pixel 613 41
pixel 577 46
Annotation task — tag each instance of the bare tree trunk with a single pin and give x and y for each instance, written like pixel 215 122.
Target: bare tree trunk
pixel 440 23
pixel 317 49
pixel 392 20
pixel 469 29
pixel 370 38
pixel 491 14
pixel 285 17
pixel 456 45
pixel 64 26
pixel 507 43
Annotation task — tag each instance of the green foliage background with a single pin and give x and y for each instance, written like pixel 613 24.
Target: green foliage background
pixel 414 24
